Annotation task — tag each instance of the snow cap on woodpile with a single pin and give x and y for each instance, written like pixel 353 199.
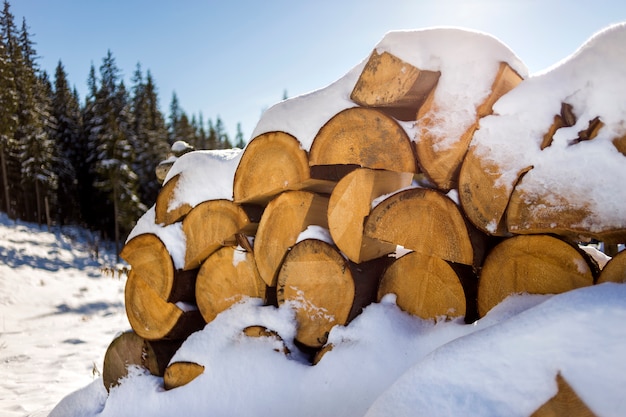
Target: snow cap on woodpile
pixel 581 166
pixel 468 61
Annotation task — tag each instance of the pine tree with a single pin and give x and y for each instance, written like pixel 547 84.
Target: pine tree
pixel 174 117
pixel 239 141
pixel 150 135
pixel 223 142
pixel 212 140
pixel 35 149
pixel 112 155
pixel 9 53
pixel 67 136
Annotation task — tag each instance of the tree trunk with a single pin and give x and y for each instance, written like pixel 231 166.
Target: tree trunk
pixel 5 184
pixel 225 278
pixel 178 374
pixel 116 220
pixel 129 349
pixel 167 194
pixel 425 286
pixel 351 202
pixel 363 137
pixel 393 86
pixel 534 264
pixel 208 226
pixel 272 163
pixel 284 218
pixel 38 203
pixel 614 270
pixel 442 163
pixel 565 403
pixel 154 318
pixel 424 221
pixel 322 286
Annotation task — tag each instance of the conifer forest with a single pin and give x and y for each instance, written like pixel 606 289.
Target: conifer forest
pixel 87 161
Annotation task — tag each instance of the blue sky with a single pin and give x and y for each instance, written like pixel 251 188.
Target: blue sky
pixel 234 59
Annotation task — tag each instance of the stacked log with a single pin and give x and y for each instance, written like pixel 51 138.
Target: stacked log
pixel 366 212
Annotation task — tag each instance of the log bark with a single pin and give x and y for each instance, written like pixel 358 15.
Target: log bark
pixel 208 226
pixel 363 137
pixel 129 349
pixel 283 220
pixel 483 194
pixel 179 374
pixel 393 86
pixel 152 317
pixel 614 270
pixel 272 163
pixel 351 202
pixel 225 278
pixel 425 286
pixel 163 213
pixel 534 264
pixel 565 403
pixel 150 260
pixel 424 221
pixel 441 164
pixel 321 285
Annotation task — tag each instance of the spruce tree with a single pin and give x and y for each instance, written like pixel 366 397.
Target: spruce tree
pixel 150 135
pixel 67 136
pixel 112 155
pixel 239 141
pixel 35 150
pixel 8 108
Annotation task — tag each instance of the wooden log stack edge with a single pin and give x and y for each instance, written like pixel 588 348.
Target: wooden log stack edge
pixel 388 230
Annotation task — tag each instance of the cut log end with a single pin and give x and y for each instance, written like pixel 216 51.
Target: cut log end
pixel 129 349
pixel 317 281
pixel 271 163
pixel 523 265
pixel 225 278
pixel 364 137
pixel 262 331
pixel 424 286
pixel 152 317
pixel 614 270
pixel 422 220
pixel 351 202
pixel 179 374
pixel 394 86
pixel 442 163
pixel 283 220
pixel 208 226
pixel 163 212
pixel 565 403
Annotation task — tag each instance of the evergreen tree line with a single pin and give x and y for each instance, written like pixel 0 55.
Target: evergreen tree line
pixel 90 163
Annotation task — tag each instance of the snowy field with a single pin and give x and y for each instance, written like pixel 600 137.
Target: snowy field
pixel 58 314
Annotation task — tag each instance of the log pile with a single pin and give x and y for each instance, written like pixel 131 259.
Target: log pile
pixel 366 212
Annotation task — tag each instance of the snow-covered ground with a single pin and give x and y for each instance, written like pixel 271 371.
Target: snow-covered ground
pixel 58 314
